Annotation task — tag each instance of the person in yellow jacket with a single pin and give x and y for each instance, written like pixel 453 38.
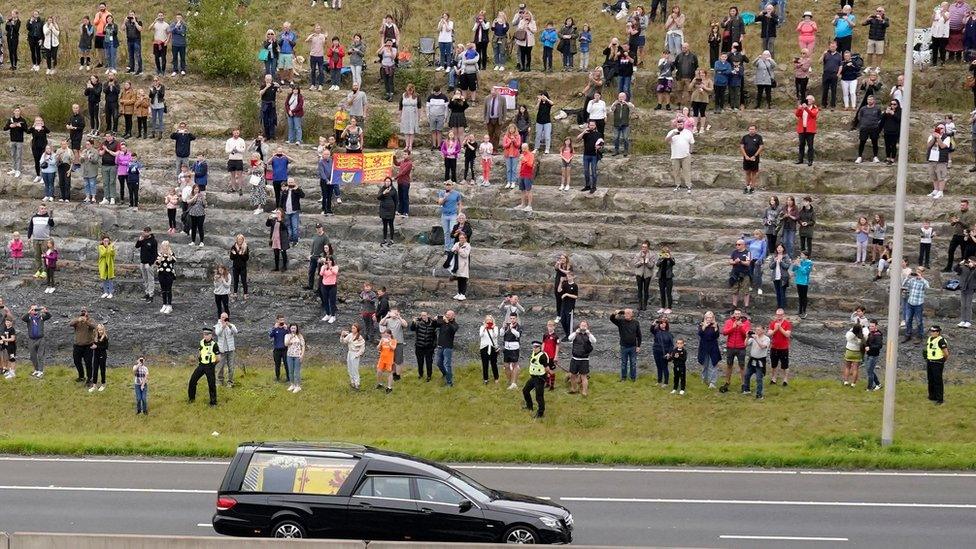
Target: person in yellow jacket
pixel 936 354
pixel 106 267
pixel 208 357
pixel 539 367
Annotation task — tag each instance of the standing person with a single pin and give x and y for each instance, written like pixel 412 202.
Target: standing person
pixel 566 155
pixel 802 67
pixel 527 169
pixel 780 334
pixel 39 232
pixel 643 263
pixel 461 252
pixel 806 129
pixel 579 366
pixel 662 349
pixel 445 41
pixel 93 93
pixel 764 77
pixel 768 21
pixel 197 212
pixel 511 347
pixel 384 365
pixel 525 31
pixel 90 167
pixel 84 337
pixel 592 152
pixel 915 286
pixel 36 347
pixel 735 330
pixel 869 124
pixel 758 250
pixel 111 43
pixel 157 106
pixel 326 185
pixel 35 39
pixel 409 108
pixel 709 354
pixel 512 146
pixel 856 338
pixel 568 36
pixel 450 149
pixel 936 356
pixel 207 359
pixel 833 61
pixel 166 272
pixel 849 73
pixel 451 202
pixel 221 289
pixel 388 63
pixel 488 348
pixel 844 22
pixel 966 270
pixel 758 350
pixel 437 116
pixel 278 239
pixel 877 24
pixel 178 33
pixel 316 56
pixel 291 205
pixel 39 143
pixel 182 139
pixel 225 333
pixel 568 291
pixel 357 104
pixel 926 233
pixel 499 29
pixel 938 147
pixel 387 197
pixel 356 348
pixel 629 333
pixel 234 148
pixel 680 139
pixel 739 276
pixel 621 109
pixel 447 328
pixel 733 29
pixel 161 38
pixel 141 109
pixel 16 126
pixel 424 343
pixel 294 111
pixel 801 271
pixel 269 106
pixel 12 28
pixel 334 56
pixel 394 324
pixel 367 311
pixel 133 40
pixel 872 350
pixel 148 254
pixel 99 351
pixel 806 219
pixel 278 348
pixel 890 127
pixel 665 279
pixel 539 368
pixel 317 252
pixel 106 266
pixel 751 147
pixel 328 284
pixel 686 69
pixel 959 222
pixel 295 345
pixel 50 43
pixel 140 374
pixel 779 269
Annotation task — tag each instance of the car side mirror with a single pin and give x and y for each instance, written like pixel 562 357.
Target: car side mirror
pixel 465 506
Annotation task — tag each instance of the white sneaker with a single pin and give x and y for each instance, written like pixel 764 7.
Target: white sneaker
pixel 163 309
pixel 182 73
pixel 512 386
pixel 875 160
pixel 9 375
pixel 968 325
pixel 332 319
pixel 858 161
pixel 91 389
pixel 201 244
pixel 961 325
pixel 673 392
pixel 338 201
pixel 16 174
pixel 109 296
pixel 297 389
pixel 931 194
pixel 439 69
pixel 681 392
pixel 519 207
pixel 36 179
pixel 325 318
pixel 290 386
pixel 939 194
pixel 527 209
pixel 659 311
pixel 111 201
pixel 758 291
pixel 456 297
pixel 173 73
pixel 169 309
pixel 462 297
pixel 104 201
pixel 10 172
pixel 101 388
pixel 104 295
pixel 258 210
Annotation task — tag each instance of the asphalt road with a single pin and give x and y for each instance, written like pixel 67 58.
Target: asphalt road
pixel 687 507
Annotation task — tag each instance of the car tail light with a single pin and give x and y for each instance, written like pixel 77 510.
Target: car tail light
pixel 223 504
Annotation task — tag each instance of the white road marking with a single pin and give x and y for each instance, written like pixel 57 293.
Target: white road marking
pixel 205 525
pixel 566 468
pixel 101 489
pixel 782 538
pixel 775 502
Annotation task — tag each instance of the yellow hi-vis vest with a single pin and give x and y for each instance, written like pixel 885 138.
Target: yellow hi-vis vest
pixel 535 365
pixel 207 355
pixel 932 349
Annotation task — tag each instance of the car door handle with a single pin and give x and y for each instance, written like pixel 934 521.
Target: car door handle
pixel 365 504
pixel 426 510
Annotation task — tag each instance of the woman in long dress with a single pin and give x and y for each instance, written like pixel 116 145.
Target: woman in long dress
pixel 409 115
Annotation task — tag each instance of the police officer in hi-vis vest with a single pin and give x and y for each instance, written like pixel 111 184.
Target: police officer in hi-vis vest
pixel 539 367
pixel 208 359
pixel 936 354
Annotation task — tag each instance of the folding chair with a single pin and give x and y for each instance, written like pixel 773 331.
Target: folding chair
pixel 427 50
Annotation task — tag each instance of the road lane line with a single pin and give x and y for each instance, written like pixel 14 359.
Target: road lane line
pixel 566 468
pixel 205 525
pixel 100 489
pixel 773 502
pixel 781 538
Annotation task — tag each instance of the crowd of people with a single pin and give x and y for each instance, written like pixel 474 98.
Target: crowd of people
pixel 679 81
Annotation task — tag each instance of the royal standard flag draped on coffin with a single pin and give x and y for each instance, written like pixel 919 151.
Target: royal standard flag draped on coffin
pixel 360 168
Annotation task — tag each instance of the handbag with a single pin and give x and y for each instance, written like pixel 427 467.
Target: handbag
pixel 263 54
pixel 255 179
pixel 773 83
pixel 521 35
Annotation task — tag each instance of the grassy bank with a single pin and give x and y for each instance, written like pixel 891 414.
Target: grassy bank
pixel 810 424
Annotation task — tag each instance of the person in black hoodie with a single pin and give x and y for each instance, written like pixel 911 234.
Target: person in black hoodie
pixel 387 197
pixel 630 342
pixel 93 91
pixel 111 92
pixel 12 28
pixel 891 129
pixel 182 139
pixel 447 327
pixel 382 303
pixel 35 39
pixel 424 343
pixel 872 349
pixel 76 132
pixel 16 125
pixel 148 253
pixel 291 204
pixel 665 279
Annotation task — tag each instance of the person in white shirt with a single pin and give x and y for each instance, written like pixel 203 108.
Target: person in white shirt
pixel 235 148
pixel 596 110
pixel 445 40
pixel 681 139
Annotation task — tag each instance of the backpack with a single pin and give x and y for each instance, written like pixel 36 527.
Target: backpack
pixel 952 284
pixel 857 60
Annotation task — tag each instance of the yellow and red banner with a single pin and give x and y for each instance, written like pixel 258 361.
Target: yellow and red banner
pixel 360 168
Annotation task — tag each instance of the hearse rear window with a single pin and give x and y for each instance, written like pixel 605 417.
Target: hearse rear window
pixel 296 474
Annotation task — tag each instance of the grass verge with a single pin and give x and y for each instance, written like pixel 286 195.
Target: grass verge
pixel 810 424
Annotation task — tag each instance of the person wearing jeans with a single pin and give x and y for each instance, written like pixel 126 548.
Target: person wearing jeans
pixel 630 342
pixel 35 319
pixel 872 350
pixel 592 142
pixel 915 286
pixel 451 202
pixel 177 33
pixel 447 328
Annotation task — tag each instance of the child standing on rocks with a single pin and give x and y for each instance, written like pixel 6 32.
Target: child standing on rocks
pixel 50 259
pixel 485 151
pixel 16 249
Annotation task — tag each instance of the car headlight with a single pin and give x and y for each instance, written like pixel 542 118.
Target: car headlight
pixel 569 519
pixel 551 522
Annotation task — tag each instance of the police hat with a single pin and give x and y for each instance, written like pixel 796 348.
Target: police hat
pixel 936 328
pixel 537 343
pixel 207 331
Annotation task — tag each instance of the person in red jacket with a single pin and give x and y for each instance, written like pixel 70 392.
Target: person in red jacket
pixel 333 59
pixel 806 128
pixel 736 331
pixel 780 333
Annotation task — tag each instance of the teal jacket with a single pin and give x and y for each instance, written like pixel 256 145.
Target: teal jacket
pixel 801 272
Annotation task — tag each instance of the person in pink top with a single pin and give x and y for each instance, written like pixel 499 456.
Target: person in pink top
pixel 450 149
pixel 123 157
pixel 16 248
pixel 566 154
pixel 329 272
pixel 512 147
pixel 736 331
pixel 806 31
pixel 316 57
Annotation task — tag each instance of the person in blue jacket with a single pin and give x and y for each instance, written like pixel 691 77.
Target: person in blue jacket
pixel 801 277
pixel 758 249
pixel 177 33
pixel 722 70
pixel 548 39
pixel 277 337
pixel 709 354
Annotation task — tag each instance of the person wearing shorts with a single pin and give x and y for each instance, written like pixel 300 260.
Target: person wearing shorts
pixel 527 165
pixel 582 341
pixel 469 82
pixel 751 147
pixel 780 333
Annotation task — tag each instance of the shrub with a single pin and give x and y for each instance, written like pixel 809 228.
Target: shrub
pixel 421 79
pixel 220 40
pixel 55 104
pixel 379 128
pixel 248 113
